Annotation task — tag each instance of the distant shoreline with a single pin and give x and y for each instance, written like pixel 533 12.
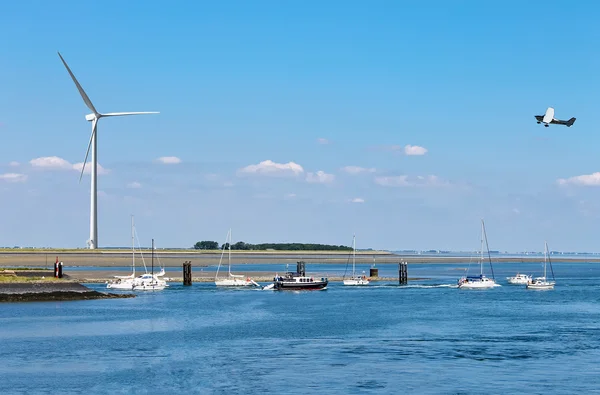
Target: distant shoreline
pixel 87 258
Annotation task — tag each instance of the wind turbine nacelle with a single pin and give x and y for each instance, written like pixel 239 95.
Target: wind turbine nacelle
pixel 90 117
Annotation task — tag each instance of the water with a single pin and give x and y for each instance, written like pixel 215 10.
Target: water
pixel 427 337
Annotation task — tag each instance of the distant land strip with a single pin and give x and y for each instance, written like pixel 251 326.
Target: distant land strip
pixel 111 258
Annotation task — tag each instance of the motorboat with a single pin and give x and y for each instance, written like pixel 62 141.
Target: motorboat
pixel 520 278
pixel 298 281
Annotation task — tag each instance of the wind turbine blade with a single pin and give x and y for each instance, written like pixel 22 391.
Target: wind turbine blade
pixel 94 124
pixel 121 114
pixel 85 97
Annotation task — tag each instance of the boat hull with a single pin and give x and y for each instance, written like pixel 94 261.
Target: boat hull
pixel 478 284
pixel 150 287
pixel 356 282
pixel 292 286
pixel 517 281
pixel 126 285
pixel 233 283
pixel 540 286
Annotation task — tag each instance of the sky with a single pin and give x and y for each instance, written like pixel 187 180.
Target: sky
pixel 403 122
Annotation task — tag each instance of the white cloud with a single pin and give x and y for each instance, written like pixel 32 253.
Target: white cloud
pixel 414 150
pixel 583 180
pixel 270 168
pixel 57 163
pixel 14 164
pixel 358 169
pixel 88 168
pixel 51 162
pixel 290 195
pixel 322 141
pixel 169 160
pixel 320 177
pixel 357 200
pixel 134 185
pixel 13 177
pixel 406 181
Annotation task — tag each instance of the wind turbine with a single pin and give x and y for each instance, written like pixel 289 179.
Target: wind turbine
pixel 94 117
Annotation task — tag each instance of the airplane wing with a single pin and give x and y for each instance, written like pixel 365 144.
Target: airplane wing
pixel 539 117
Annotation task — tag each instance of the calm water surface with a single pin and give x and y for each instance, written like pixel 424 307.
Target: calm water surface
pixel 427 337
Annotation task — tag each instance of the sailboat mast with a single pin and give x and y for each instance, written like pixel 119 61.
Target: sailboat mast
pixel 153 256
pixel 487 246
pixel 229 245
pixel 353 255
pixel 545 258
pixel 132 246
pixel 481 252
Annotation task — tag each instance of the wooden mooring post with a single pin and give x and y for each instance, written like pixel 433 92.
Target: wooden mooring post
pixel 403 273
pixel 187 273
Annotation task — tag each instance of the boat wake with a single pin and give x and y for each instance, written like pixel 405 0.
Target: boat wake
pixel 422 286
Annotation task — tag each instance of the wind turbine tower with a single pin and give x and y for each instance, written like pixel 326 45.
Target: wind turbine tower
pixel 94 117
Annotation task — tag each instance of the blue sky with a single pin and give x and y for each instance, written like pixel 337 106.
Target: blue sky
pixel 404 122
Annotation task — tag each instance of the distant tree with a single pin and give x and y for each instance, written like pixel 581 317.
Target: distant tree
pixel 206 245
pixel 240 245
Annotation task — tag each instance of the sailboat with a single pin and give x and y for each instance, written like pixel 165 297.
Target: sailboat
pixel 355 280
pixel 542 282
pixel 481 281
pixel 150 281
pixel 232 280
pixel 126 282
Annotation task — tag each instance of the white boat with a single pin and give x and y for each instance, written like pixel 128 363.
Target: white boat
pixel 232 280
pixel 481 281
pixel 150 281
pixel 355 280
pixel 520 278
pixel 542 282
pixel 126 282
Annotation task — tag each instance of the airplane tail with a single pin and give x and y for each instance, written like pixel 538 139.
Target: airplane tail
pixel 571 121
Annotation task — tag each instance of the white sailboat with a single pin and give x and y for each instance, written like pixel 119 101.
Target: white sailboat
pixel 232 280
pixel 542 282
pixel 126 282
pixel 481 281
pixel 355 280
pixel 150 281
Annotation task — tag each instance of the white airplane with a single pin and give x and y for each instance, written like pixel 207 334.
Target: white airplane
pixel 548 118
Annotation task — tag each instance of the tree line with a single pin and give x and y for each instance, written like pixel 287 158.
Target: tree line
pixel 241 246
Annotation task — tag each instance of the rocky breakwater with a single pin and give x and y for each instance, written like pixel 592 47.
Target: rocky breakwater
pixel 17 288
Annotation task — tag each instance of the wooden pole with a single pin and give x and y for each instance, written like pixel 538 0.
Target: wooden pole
pixel 403 273
pixel 187 273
